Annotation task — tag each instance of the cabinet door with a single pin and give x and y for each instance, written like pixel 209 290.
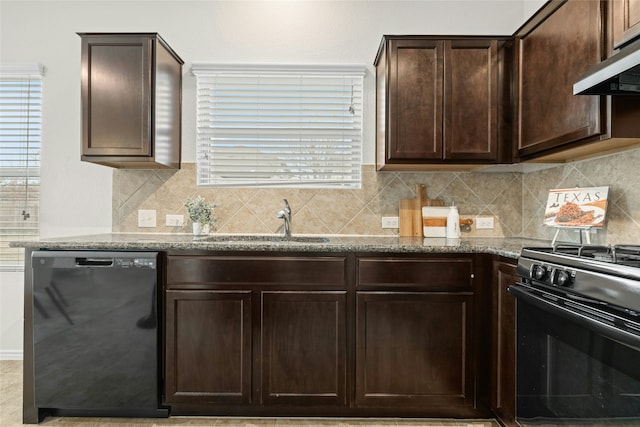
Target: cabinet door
pixel 471 100
pixel 116 96
pixel 208 347
pixel 304 348
pixel 415 72
pixel 503 399
pixel 551 57
pixel 414 349
pixel 626 21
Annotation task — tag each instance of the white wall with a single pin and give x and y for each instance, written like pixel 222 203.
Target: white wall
pixel 529 7
pixel 11 296
pixel 76 196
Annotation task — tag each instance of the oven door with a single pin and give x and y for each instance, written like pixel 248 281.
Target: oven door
pixel 577 364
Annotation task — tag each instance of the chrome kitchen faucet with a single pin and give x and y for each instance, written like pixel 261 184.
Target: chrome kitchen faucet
pixel 285 214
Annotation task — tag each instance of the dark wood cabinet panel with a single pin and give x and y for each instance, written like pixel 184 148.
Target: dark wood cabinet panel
pixel 554 49
pixel 304 348
pixel 471 100
pixel 551 56
pixel 503 378
pixel 414 349
pixel 432 273
pixel 194 271
pixel 418 332
pixel 439 101
pixel 131 101
pixel 208 347
pixel 118 72
pixel 415 99
pixel 626 21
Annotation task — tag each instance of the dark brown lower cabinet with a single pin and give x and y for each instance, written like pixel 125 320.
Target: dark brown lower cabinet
pixel 277 334
pixel 255 334
pixel 414 349
pixel 503 378
pixel 417 335
pixel 304 348
pixel 208 346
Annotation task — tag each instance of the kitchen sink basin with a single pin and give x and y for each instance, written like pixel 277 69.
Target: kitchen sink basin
pixel 265 238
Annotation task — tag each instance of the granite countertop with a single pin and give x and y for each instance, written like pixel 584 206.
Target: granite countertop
pixel 508 247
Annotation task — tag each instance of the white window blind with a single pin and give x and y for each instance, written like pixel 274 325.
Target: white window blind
pixel 20 136
pixel 273 126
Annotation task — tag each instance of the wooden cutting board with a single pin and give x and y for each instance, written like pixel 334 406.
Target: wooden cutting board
pixel 410 212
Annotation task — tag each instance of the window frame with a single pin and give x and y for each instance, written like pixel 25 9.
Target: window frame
pixel 326 144
pixel 20 145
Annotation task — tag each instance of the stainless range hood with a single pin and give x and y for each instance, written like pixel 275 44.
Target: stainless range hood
pixel 617 75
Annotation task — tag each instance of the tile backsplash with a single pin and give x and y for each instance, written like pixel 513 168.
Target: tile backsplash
pixel 515 200
pixel 315 211
pixel 619 172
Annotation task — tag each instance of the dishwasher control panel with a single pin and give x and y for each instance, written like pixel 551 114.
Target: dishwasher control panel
pixel 135 263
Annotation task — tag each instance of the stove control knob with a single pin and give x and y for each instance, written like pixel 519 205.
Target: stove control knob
pixel 563 278
pixel 538 272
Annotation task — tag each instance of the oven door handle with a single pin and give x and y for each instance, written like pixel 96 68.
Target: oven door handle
pixel 521 292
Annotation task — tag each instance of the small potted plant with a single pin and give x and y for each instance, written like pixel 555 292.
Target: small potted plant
pixel 201 214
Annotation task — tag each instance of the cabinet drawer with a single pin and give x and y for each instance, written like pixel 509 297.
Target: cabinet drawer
pixel 430 274
pixel 325 271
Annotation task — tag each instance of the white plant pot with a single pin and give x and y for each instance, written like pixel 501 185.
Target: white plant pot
pixel 200 229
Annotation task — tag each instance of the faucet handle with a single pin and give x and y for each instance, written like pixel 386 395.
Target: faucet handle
pixel 287 209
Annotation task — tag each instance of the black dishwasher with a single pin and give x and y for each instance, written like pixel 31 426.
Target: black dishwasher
pixel 96 333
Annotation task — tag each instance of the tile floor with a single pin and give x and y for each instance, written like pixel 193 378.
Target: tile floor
pixel 11 414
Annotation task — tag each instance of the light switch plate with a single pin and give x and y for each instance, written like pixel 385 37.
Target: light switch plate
pixel 146 218
pixel 174 220
pixel 484 222
pixel 390 222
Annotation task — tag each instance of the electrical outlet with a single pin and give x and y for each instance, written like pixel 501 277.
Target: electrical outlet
pixel 146 218
pixel 484 222
pixel 174 220
pixel 390 222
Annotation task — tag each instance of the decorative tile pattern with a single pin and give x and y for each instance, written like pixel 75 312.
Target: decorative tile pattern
pixel 515 200
pixel 316 211
pixel 618 171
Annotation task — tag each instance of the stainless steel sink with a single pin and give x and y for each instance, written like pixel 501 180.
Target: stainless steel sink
pixel 264 238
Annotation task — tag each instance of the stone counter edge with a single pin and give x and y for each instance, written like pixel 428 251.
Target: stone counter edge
pixel 506 247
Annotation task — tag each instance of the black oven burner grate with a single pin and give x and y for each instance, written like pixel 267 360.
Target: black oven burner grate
pixel 619 254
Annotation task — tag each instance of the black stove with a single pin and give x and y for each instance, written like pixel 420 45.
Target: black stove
pixel 578 336
pixel 609 274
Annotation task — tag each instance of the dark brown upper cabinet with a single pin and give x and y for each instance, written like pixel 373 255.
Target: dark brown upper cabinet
pixel 626 21
pixel 440 101
pixel 553 49
pixel 131 101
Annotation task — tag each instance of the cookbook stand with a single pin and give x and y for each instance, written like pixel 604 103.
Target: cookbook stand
pixel 580 209
pixel 586 230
